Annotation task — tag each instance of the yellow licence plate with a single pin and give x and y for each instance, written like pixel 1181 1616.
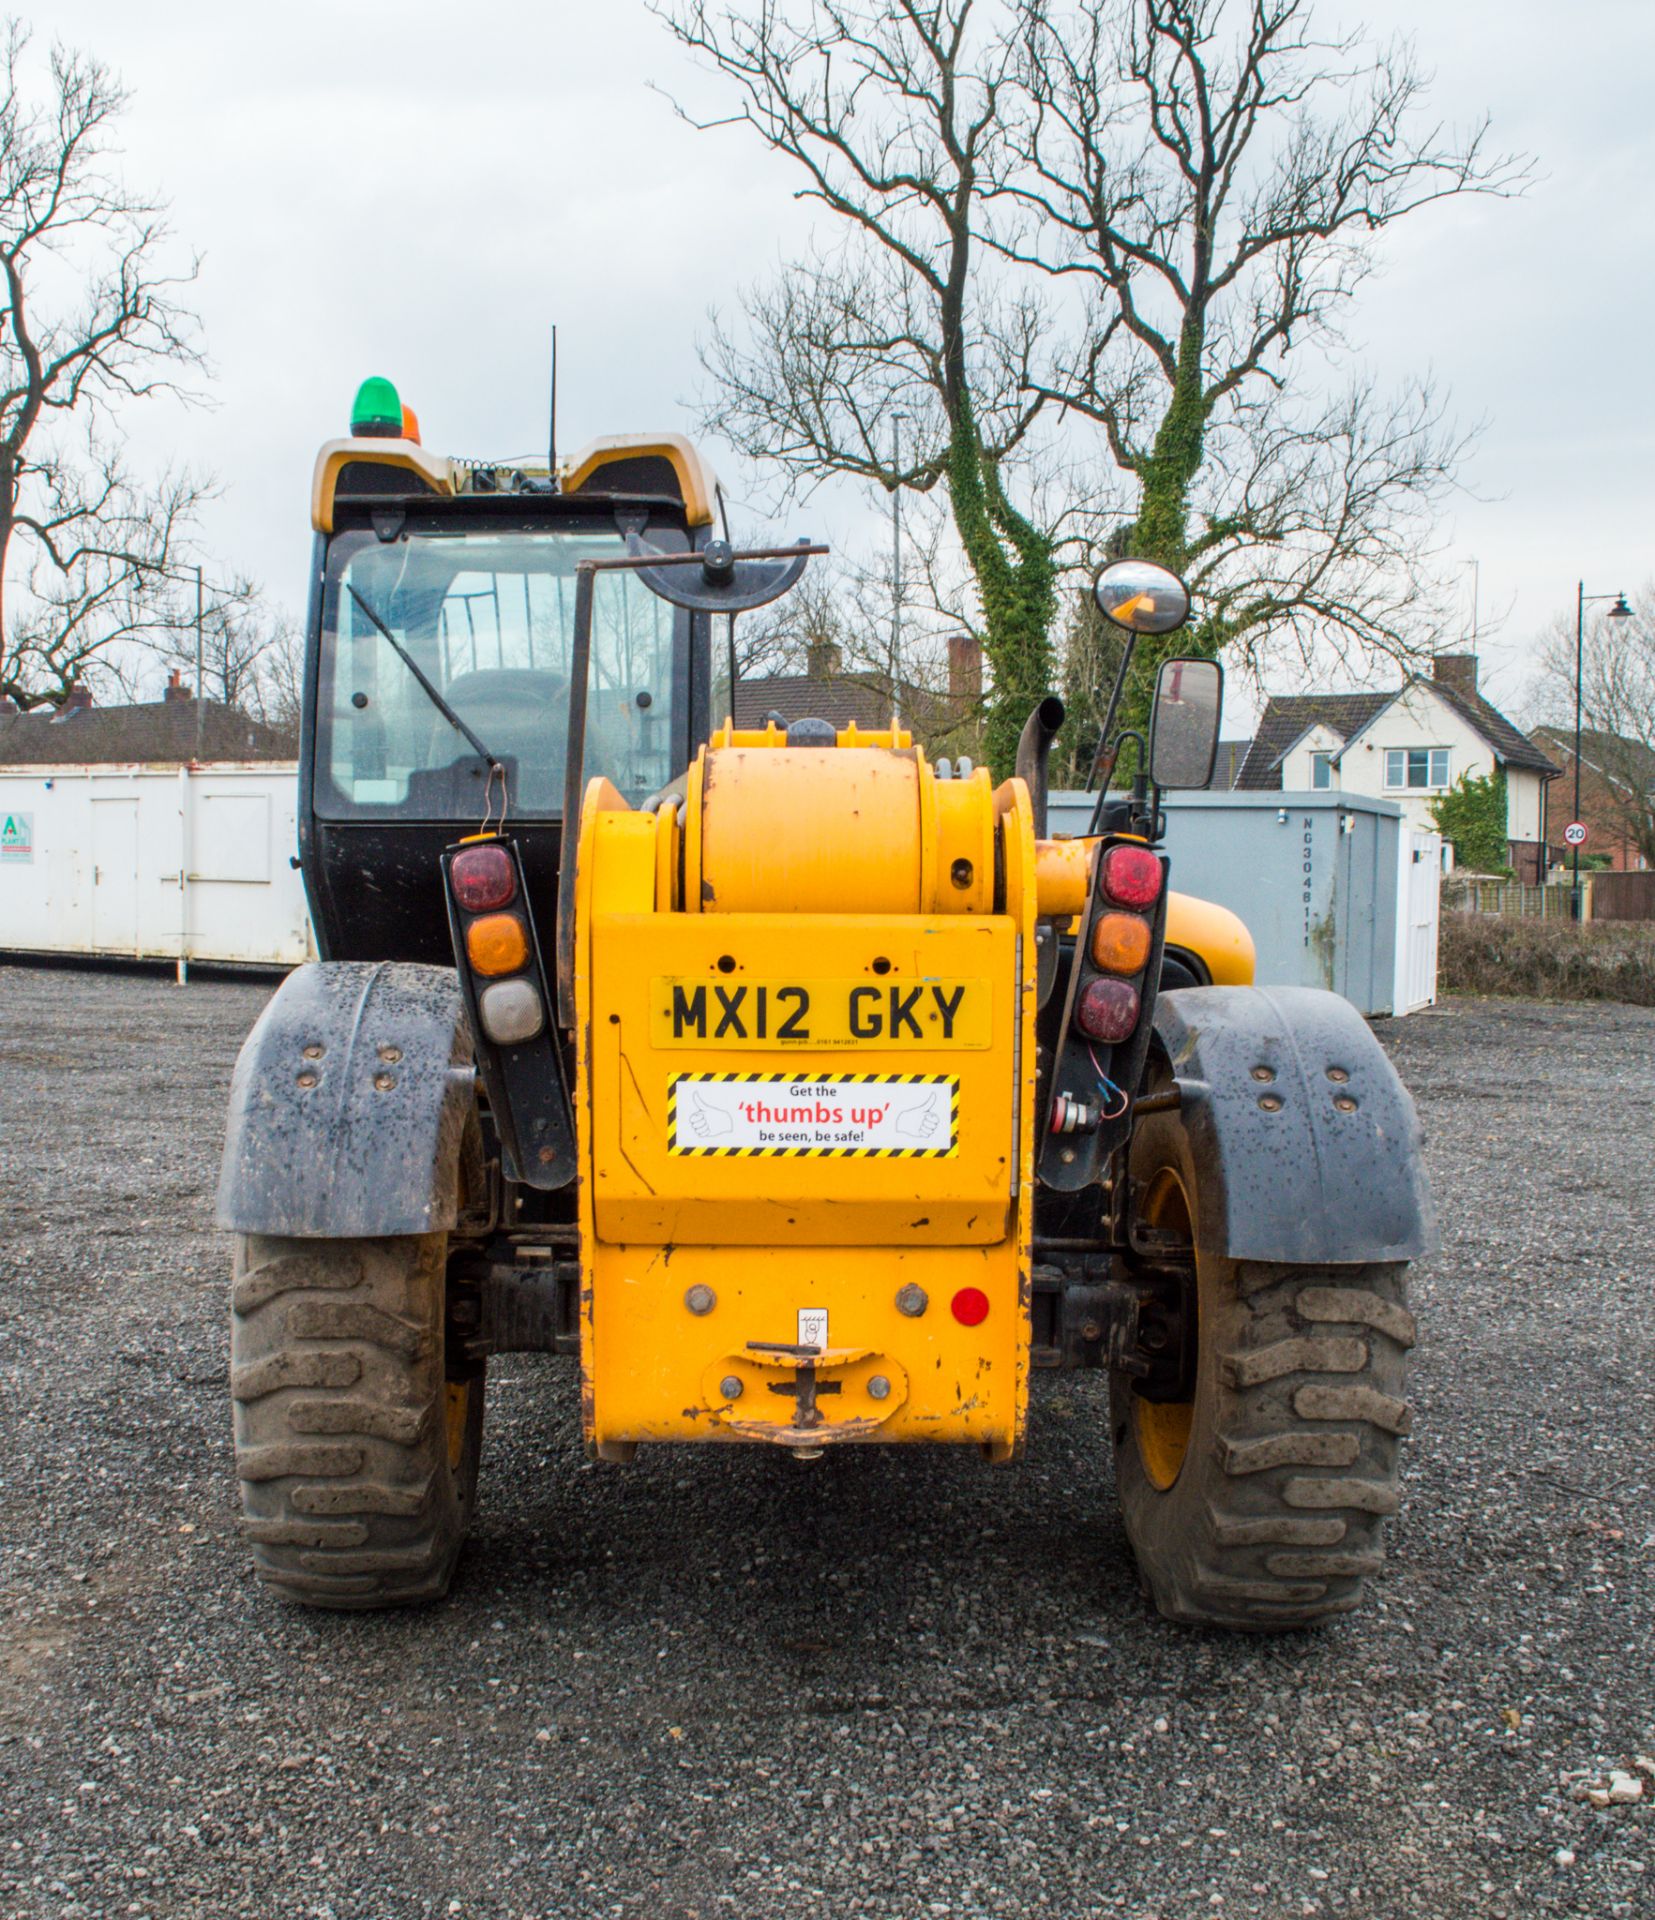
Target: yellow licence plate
pixel 820 1013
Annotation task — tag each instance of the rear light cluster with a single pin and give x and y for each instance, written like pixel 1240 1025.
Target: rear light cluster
pixel 1108 1006
pixel 498 945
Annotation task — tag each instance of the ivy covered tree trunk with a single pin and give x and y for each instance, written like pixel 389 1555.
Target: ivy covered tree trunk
pixel 1161 531
pixel 1017 583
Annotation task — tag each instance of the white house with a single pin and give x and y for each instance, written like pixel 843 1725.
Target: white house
pixel 1409 745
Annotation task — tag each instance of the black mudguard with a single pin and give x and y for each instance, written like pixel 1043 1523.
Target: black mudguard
pixel 1287 1168
pixel 363 1137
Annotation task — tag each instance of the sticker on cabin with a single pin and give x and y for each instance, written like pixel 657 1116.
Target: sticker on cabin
pixel 891 1116
pixel 17 838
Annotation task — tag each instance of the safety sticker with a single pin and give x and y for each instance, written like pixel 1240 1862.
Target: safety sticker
pixel 894 1116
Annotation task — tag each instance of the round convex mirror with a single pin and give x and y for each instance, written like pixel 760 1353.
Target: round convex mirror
pixel 1142 597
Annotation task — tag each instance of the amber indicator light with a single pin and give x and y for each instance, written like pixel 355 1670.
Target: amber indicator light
pixel 1120 943
pixel 498 943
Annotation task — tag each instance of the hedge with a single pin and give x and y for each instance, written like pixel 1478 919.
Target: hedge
pixel 1548 959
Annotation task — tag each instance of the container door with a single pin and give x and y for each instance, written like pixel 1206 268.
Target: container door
pixel 115 876
pixel 1422 894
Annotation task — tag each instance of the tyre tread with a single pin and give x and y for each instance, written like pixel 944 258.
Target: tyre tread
pixel 1300 1470
pixel 337 1379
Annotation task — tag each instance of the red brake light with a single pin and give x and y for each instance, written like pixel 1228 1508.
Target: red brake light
pixel 484 879
pixel 1108 1011
pixel 969 1306
pixel 1131 877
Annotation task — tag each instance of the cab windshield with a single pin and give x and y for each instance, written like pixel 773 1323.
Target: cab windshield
pixel 490 619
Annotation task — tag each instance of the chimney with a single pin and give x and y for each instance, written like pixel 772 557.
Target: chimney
pixel 965 669
pixel 76 700
pixel 822 659
pixel 8 704
pixel 176 690
pixel 1456 671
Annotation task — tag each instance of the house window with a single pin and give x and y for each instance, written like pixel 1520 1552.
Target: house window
pixel 1321 771
pixel 1420 767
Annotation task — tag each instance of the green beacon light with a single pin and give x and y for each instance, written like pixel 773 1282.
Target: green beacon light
pixel 377 411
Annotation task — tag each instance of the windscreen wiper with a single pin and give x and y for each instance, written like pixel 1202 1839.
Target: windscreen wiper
pixel 495 767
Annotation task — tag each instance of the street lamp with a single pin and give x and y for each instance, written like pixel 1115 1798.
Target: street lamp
pixel 1619 611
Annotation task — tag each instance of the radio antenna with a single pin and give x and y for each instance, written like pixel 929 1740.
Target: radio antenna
pixel 551 437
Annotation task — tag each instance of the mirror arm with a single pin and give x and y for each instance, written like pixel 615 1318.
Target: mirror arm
pixel 1103 761
pixel 1140 779
pixel 1146 806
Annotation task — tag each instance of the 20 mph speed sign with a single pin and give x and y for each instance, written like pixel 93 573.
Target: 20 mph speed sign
pixel 1574 834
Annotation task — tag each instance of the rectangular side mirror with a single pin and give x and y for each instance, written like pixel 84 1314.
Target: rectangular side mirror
pixel 1183 727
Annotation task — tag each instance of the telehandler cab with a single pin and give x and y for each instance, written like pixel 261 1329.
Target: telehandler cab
pixel 800 1095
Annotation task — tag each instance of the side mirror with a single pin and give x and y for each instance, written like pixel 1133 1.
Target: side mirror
pixel 1141 597
pixel 1183 725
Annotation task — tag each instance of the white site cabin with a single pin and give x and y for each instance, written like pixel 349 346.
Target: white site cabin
pixel 117 842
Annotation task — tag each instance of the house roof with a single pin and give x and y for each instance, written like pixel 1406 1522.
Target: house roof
pixel 159 732
pixel 1288 718
pixel 1511 746
pixel 845 697
pixel 798 696
pixel 1611 754
pixel 1230 758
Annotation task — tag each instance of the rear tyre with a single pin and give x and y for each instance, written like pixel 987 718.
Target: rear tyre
pixel 357 1431
pixel 1260 1502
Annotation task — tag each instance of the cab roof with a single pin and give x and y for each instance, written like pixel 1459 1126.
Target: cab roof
pixel 380 471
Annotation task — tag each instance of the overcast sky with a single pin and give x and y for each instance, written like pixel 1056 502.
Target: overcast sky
pixel 420 190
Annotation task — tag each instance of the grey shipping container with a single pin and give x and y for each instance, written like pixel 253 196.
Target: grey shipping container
pixel 1314 876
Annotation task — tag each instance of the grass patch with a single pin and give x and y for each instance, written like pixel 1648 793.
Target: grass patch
pixel 1548 959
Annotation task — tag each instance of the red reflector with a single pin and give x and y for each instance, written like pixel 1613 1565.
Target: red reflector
pixel 970 1306
pixel 1108 1011
pixel 484 878
pixel 1131 876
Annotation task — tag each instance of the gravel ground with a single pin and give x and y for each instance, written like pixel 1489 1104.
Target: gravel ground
pixel 880 1685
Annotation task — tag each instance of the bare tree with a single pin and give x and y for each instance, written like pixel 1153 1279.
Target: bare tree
pixel 1213 176
pixel 237 631
pixel 893 112
pixel 279 681
pixel 1152 215
pixel 91 320
pixel 1617 707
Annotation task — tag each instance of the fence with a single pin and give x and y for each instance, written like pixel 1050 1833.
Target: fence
pixel 1512 898
pixel 1623 896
